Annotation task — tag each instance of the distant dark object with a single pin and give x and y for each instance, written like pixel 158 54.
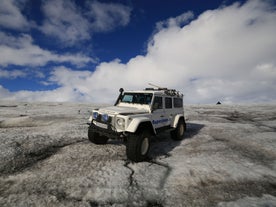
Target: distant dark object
pixel 8 105
pixel 218 103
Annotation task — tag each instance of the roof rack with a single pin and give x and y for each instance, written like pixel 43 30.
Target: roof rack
pixel 155 89
pixel 169 92
pixel 173 92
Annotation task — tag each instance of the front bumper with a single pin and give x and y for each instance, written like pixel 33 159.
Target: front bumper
pixel 105 130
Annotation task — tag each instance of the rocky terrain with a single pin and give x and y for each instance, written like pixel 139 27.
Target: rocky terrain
pixel 227 158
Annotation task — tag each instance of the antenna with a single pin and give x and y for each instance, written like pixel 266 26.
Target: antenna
pixel 158 87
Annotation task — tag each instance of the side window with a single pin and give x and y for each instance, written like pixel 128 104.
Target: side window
pixel 177 102
pixel 157 103
pixel 168 103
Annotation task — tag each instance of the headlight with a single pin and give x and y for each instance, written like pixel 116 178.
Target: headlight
pixel 105 117
pixel 95 115
pixel 120 122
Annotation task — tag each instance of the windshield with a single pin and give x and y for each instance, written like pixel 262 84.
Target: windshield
pixel 137 98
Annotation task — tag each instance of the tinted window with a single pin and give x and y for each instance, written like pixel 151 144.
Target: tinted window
pixel 178 102
pixel 157 103
pixel 168 103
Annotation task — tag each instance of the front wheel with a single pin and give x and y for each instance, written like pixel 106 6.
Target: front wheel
pixel 178 133
pixel 96 138
pixel 137 146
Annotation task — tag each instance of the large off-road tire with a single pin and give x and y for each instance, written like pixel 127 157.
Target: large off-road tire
pixel 96 138
pixel 178 133
pixel 138 145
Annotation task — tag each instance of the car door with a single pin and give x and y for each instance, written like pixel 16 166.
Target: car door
pixel 169 112
pixel 158 116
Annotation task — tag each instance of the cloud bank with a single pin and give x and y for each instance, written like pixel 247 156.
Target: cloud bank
pixel 22 51
pixel 227 54
pixel 70 24
pixel 11 16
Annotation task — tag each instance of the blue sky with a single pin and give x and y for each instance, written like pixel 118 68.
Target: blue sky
pixel 83 51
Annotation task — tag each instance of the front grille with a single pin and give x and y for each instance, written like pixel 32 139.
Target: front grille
pixel 105 132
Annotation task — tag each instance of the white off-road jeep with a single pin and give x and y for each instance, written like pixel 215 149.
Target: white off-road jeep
pixel 136 117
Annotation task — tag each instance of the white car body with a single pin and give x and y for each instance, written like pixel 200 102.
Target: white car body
pixel 136 116
pixel 124 117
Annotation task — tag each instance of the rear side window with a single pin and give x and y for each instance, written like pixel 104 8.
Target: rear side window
pixel 157 103
pixel 177 102
pixel 168 103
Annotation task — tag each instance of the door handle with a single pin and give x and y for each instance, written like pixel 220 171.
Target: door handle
pixel 162 116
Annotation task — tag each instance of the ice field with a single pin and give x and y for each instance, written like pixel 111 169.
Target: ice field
pixel 228 158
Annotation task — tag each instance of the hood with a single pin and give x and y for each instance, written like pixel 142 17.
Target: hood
pixel 112 110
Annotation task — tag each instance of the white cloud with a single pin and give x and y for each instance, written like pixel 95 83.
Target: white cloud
pixel 11 16
pixel 60 95
pixel 227 54
pixel 21 51
pixel 66 21
pixel 4 93
pixel 12 74
pixel 175 21
pixel 22 73
pixel 107 16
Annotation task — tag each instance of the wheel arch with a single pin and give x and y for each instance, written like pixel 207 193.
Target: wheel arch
pixel 146 125
pixel 176 120
pixel 138 124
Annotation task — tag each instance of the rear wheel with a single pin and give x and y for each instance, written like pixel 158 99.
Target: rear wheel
pixel 138 145
pixel 179 132
pixel 96 138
